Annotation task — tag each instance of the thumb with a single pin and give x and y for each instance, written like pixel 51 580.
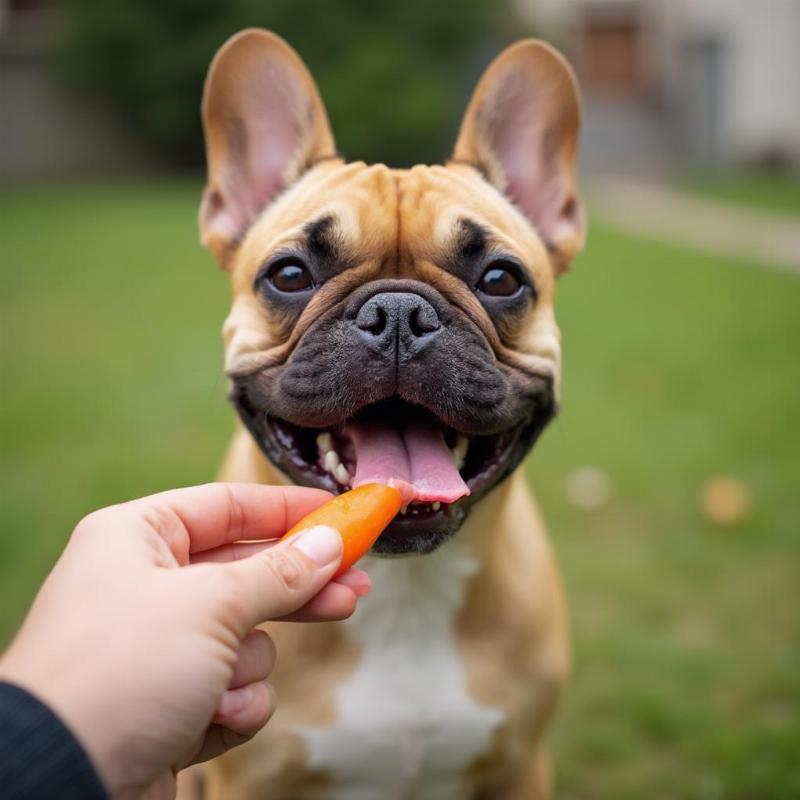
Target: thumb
pixel 283 578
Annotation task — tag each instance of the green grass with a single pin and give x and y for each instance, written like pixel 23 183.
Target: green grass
pixel 768 192
pixel 678 366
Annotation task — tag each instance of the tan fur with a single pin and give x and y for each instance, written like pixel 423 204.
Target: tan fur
pixel 511 631
pixel 519 666
pixel 522 664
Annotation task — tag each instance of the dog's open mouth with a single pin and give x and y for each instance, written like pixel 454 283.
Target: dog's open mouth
pixel 390 442
pixel 437 469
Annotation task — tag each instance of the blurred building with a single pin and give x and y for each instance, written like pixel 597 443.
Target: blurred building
pixel 697 82
pixel 666 82
pixel 47 128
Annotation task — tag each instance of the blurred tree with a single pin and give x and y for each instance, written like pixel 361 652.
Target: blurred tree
pixel 394 76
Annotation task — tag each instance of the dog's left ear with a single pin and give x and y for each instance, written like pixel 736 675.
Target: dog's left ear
pixel 265 124
pixel 521 131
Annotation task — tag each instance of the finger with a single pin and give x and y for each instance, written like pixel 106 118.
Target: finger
pixel 357 580
pixel 245 710
pixel 334 602
pixel 232 552
pixel 282 579
pixel 255 659
pixel 251 708
pixel 219 513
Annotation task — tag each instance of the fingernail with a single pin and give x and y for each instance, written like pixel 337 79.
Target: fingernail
pixel 321 544
pixel 234 700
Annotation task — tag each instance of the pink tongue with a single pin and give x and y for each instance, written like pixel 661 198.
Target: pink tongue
pixel 416 461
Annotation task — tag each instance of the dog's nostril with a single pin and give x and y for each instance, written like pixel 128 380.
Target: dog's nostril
pixel 372 319
pixel 423 320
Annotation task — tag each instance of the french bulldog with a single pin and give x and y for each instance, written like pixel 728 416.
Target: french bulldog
pixel 398 325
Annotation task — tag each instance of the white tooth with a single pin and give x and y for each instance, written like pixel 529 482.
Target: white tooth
pixel 460 450
pixel 331 461
pixel 324 442
pixel 341 474
pixel 461 446
pixel 404 509
pixel 436 506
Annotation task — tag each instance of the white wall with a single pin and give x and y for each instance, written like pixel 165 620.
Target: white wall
pixel 760 88
pixel 762 101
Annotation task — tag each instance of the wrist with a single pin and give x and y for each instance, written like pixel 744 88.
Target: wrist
pixel 42 755
pixel 26 673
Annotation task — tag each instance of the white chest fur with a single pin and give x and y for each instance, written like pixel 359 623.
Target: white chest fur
pixel 407 727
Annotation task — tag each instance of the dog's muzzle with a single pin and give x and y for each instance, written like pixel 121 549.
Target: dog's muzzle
pixel 397 384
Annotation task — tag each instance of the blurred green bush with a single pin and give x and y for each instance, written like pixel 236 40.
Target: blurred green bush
pixel 394 76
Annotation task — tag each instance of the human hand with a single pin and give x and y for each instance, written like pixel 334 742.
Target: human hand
pixel 142 637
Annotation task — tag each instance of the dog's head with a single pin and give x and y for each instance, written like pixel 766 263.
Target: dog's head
pixel 392 324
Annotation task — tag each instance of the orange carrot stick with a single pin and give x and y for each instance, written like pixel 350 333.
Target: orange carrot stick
pixel 359 515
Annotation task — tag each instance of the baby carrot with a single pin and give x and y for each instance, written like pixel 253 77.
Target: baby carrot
pixel 359 515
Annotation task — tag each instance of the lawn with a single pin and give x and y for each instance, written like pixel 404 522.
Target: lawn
pixel 678 366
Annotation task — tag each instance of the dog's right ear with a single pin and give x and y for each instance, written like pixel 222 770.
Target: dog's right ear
pixel 264 124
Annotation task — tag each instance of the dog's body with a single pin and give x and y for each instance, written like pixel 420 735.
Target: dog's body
pixel 376 308
pixel 440 686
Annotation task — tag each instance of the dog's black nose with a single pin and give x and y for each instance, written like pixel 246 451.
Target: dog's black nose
pixel 397 324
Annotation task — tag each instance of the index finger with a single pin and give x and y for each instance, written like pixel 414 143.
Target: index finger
pixel 216 514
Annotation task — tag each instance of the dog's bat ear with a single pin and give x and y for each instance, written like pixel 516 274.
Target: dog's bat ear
pixel 521 131
pixel 265 124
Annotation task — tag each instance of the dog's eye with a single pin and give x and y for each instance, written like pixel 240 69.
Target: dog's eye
pixel 499 281
pixel 290 276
